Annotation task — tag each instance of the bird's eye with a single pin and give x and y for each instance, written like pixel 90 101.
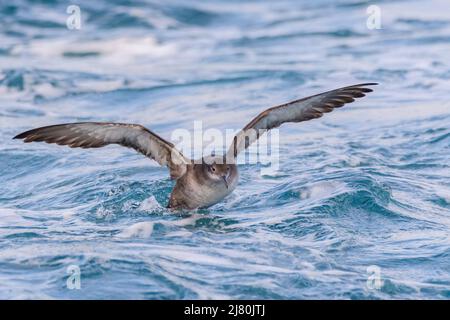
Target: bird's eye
pixel 213 169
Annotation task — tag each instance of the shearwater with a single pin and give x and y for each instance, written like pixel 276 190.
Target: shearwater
pixel 204 182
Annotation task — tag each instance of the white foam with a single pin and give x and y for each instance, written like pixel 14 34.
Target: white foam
pixel 443 193
pixel 188 221
pixel 114 49
pixel 103 213
pixel 353 161
pixel 150 204
pixel 320 190
pixel 139 230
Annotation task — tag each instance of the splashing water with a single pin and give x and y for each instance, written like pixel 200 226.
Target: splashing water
pixel 367 185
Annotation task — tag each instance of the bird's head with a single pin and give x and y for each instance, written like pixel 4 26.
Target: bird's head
pixel 216 170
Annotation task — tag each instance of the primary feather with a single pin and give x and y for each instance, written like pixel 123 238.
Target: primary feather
pixel 99 134
pixel 295 111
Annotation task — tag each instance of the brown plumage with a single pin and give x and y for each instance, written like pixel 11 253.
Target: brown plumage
pixel 199 183
pixel 99 134
pixel 295 111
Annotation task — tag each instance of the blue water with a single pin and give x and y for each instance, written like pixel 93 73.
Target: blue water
pixel 367 186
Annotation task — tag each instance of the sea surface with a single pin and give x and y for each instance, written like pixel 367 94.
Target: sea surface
pixel 360 205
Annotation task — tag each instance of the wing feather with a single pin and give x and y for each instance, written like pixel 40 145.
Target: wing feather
pixel 100 134
pixel 296 111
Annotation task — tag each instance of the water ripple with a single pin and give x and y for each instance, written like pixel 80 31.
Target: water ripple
pixel 365 186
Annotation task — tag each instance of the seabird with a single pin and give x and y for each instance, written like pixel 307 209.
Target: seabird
pixel 199 184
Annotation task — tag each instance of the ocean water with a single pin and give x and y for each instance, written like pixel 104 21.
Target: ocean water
pixel 359 209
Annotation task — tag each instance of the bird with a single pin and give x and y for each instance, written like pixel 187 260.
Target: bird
pixel 203 182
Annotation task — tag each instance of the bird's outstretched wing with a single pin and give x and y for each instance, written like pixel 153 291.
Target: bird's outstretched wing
pixel 99 134
pixel 295 111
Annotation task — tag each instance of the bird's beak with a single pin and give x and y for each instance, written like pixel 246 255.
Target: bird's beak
pixel 225 180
